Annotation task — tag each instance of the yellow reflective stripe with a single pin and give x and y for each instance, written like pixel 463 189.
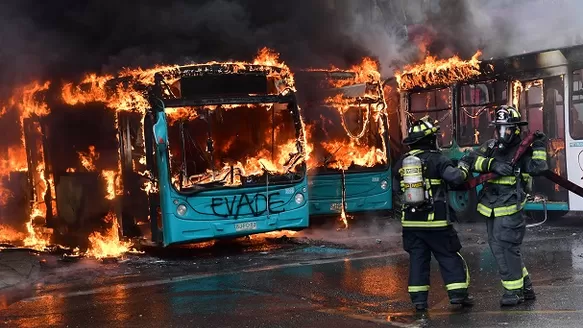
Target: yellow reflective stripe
pixel 489 163
pixel 460 285
pixel 500 211
pixel 504 180
pixel 508 210
pixel 457 285
pixel 513 284
pixel 539 154
pixel 416 129
pixel 524 272
pixel 415 151
pixel 416 289
pixel 526 176
pixel 424 224
pixel 434 181
pixel 431 216
pixel 484 210
pixel 423 127
pixel 478 163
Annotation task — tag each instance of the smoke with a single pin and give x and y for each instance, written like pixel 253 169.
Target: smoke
pixel 66 38
pixel 400 32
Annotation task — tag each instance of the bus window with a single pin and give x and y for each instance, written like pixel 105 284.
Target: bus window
pixel 207 154
pixel 576 110
pixel 531 104
pixel 478 102
pixel 437 105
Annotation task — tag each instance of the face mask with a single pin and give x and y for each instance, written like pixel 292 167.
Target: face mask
pixel 505 133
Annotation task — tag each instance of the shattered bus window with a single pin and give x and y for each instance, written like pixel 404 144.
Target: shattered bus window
pixel 334 138
pixel 437 105
pixel 234 145
pixel 478 103
pixel 576 110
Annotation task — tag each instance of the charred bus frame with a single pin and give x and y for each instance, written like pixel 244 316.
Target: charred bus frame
pixel 168 225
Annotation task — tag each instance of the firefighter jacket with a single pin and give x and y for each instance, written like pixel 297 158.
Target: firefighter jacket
pixel 439 172
pixel 505 195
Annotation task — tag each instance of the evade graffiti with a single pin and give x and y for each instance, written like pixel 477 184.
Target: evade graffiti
pixel 255 204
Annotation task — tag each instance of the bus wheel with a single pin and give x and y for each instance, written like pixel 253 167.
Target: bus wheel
pixel 464 204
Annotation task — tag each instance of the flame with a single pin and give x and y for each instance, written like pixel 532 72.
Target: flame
pixel 8 234
pixel 29 103
pixel 107 244
pixel 88 159
pixel 110 183
pixel 517 88
pixel 434 72
pixel 126 92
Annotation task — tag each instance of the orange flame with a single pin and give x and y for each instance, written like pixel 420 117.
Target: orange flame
pixel 8 234
pixel 88 159
pixel 107 244
pixel 434 72
pixel 27 100
pixel 110 182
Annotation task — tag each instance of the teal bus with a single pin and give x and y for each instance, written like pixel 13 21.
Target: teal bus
pixel 347 131
pixel 546 86
pixel 225 147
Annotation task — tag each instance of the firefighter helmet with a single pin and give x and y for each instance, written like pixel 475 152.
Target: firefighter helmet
pixel 421 129
pixel 507 123
pixel 508 115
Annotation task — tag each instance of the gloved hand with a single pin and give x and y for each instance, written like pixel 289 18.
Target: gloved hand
pixel 464 163
pixel 501 168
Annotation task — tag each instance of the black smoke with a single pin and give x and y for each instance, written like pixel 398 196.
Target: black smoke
pixel 63 39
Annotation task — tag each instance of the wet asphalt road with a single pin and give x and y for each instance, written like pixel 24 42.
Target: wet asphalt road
pixel 343 290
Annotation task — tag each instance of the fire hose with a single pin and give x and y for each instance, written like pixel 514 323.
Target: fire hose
pixel 550 175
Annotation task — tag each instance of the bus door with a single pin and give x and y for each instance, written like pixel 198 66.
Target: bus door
pixel 478 101
pixel 436 104
pixel 541 103
pixel 575 135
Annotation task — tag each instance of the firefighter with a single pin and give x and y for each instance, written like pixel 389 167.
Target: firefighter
pixel 422 176
pixel 502 199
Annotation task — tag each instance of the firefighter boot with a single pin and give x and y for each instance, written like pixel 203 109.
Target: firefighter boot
pixel 461 297
pixel 528 290
pixel 512 297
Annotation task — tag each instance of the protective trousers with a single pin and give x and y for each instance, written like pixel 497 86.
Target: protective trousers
pixel 505 234
pixel 445 246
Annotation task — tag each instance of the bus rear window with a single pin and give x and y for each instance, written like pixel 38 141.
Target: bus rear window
pixel 437 105
pixel 478 103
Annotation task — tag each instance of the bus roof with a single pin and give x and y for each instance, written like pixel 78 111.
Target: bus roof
pixel 529 64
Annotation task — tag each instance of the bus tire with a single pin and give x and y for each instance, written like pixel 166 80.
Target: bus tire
pixel 464 205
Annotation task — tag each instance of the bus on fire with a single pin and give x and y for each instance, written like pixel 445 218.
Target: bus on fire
pixel 346 124
pixel 546 87
pixel 230 161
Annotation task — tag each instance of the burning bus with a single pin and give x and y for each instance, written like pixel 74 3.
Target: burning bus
pixel 462 95
pixel 226 149
pixel 347 128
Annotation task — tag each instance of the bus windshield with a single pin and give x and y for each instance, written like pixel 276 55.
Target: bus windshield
pixel 234 145
pixel 348 137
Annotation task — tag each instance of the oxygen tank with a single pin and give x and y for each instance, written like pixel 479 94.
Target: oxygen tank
pixel 413 184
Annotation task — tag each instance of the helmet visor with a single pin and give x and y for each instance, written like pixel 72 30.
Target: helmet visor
pixel 504 132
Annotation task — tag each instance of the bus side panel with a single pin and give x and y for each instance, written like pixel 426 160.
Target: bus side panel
pixel 364 192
